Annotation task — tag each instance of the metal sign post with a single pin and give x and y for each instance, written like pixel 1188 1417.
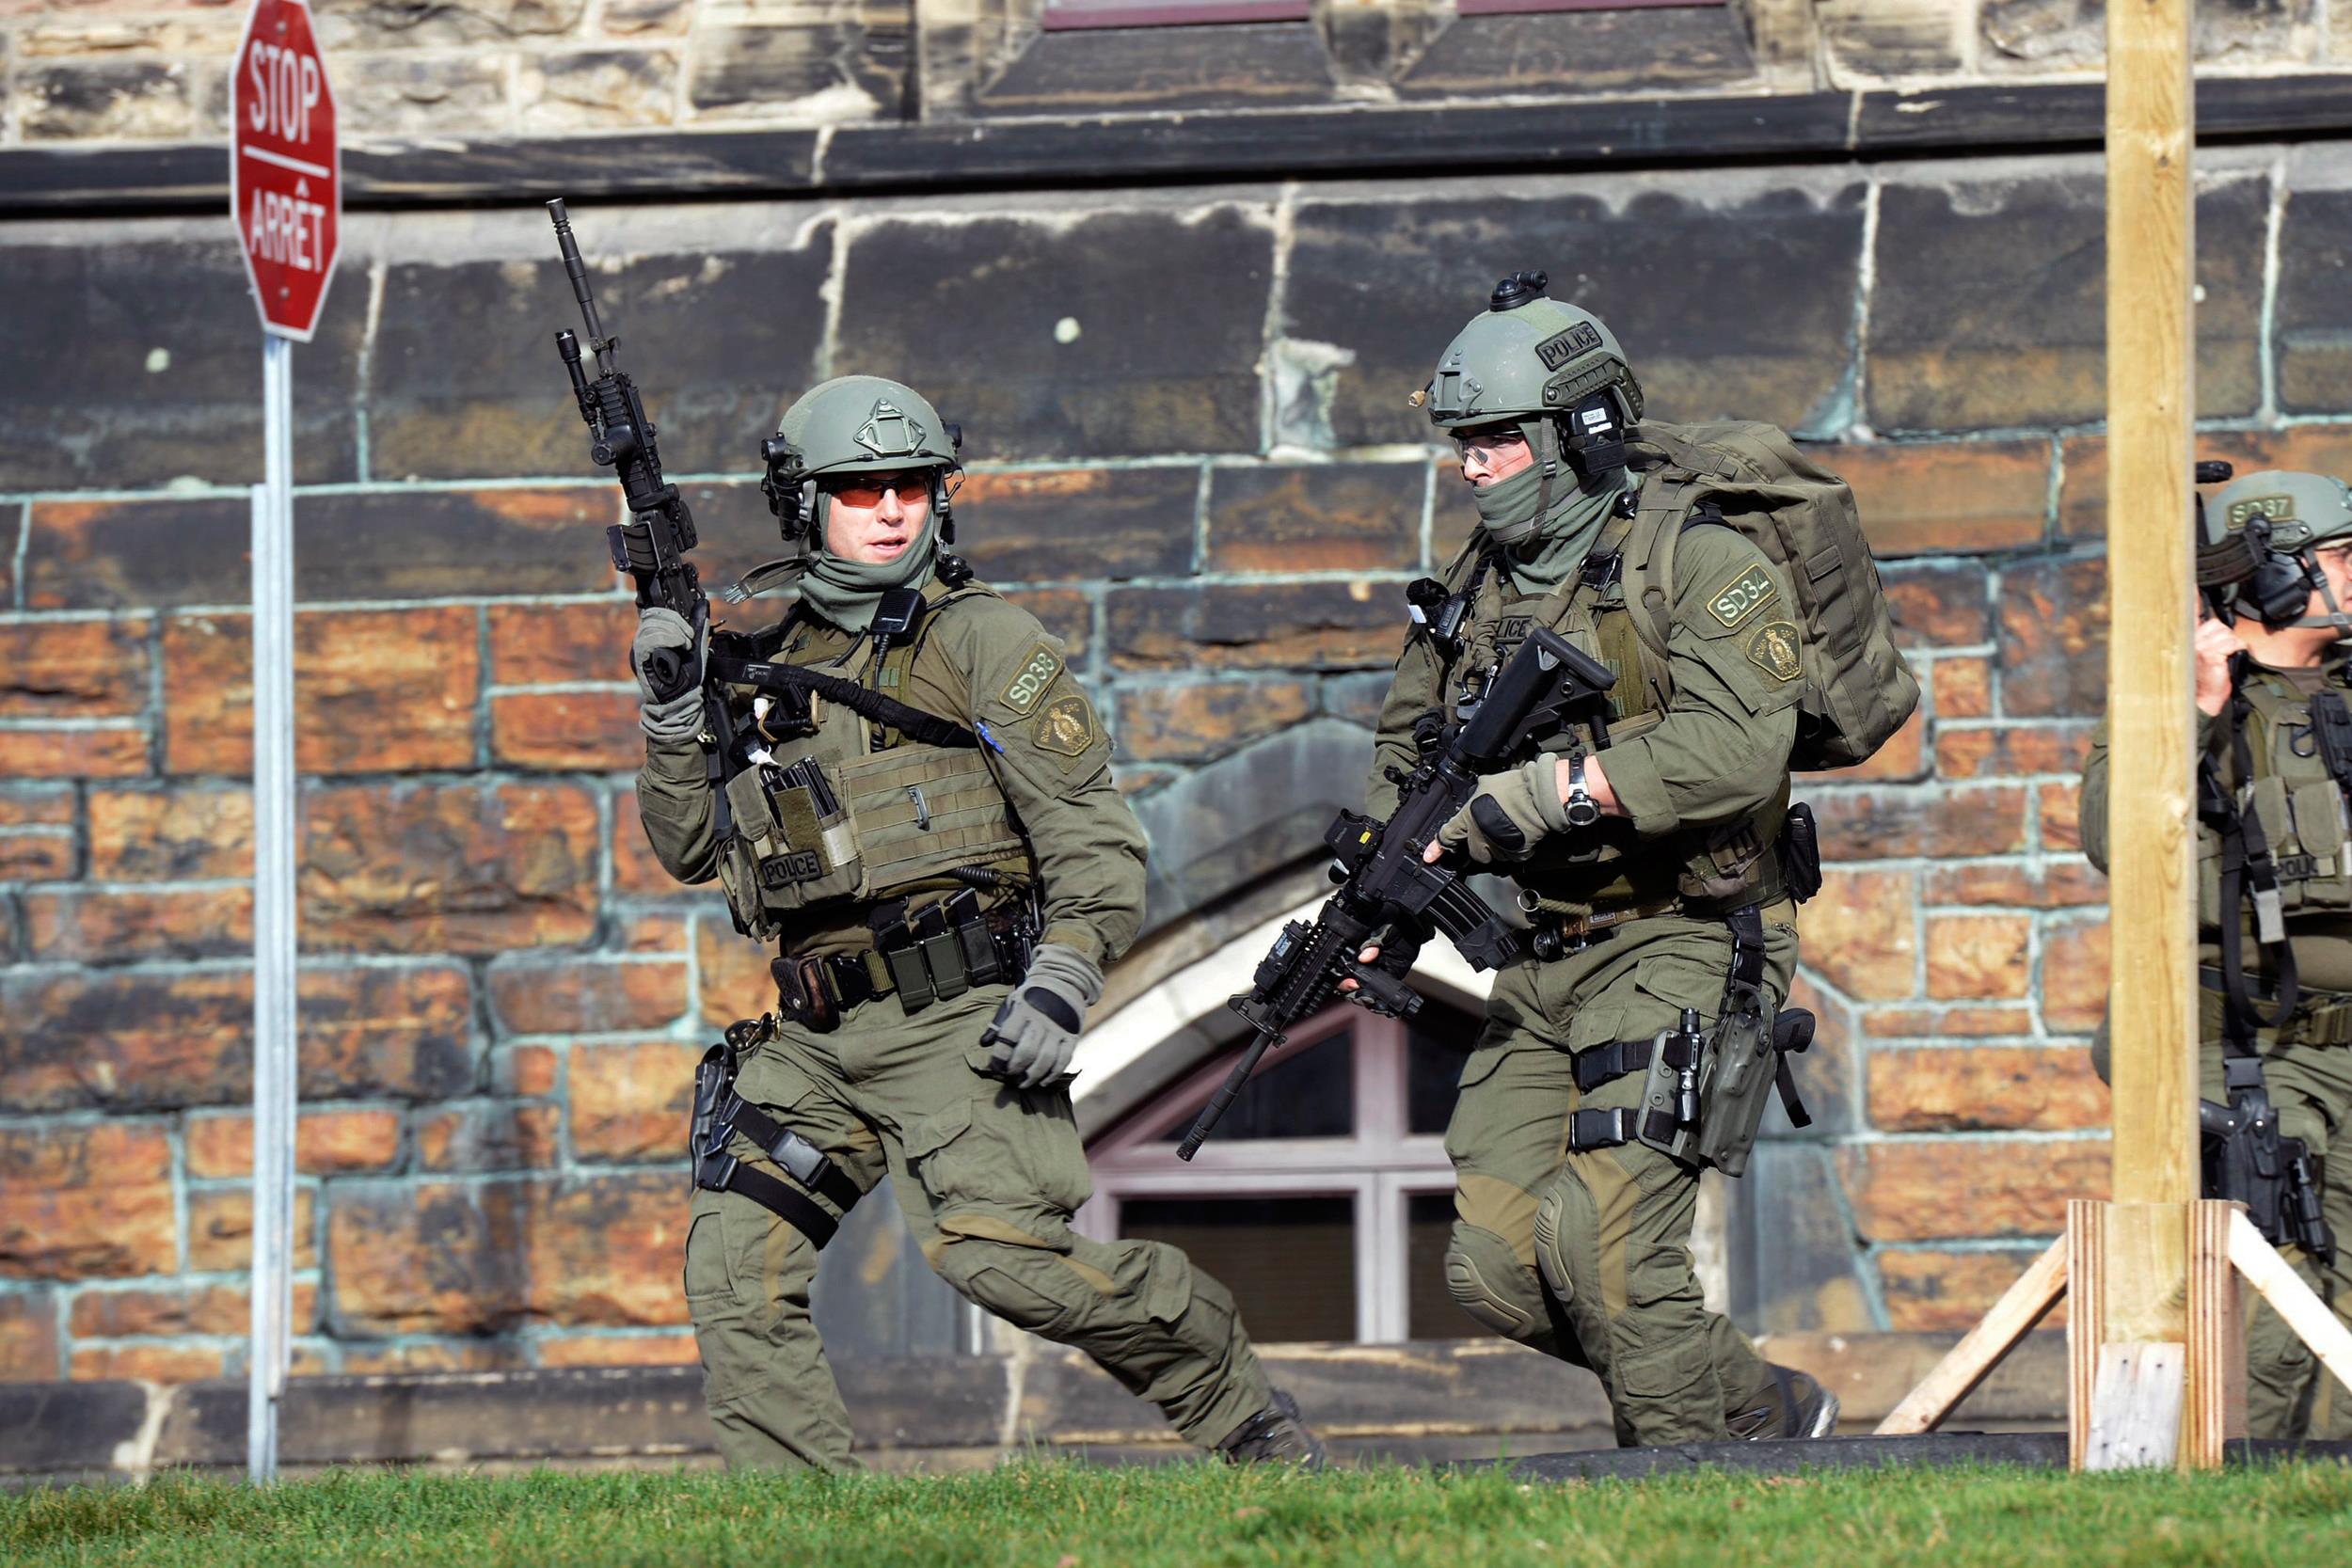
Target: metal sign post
pixel 285 183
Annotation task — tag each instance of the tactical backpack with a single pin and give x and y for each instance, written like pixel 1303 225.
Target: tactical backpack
pixel 1858 692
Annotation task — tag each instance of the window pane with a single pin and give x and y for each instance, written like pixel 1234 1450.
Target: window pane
pixel 1436 1040
pixel 1430 1309
pixel 1308 1091
pixel 1290 1262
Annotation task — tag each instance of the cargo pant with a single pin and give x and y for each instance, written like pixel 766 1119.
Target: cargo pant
pixel 988 1177
pixel 1586 1256
pixel 2288 1393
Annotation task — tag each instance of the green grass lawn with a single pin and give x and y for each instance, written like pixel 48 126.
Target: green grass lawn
pixel 1061 1516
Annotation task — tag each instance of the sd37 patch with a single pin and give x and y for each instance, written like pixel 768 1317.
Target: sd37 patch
pixel 1036 672
pixel 1775 650
pixel 1066 728
pixel 1741 597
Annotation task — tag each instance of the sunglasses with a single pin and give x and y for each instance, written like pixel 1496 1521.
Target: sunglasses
pixel 867 489
pixel 1488 448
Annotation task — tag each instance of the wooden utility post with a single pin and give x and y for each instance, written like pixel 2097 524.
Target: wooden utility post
pixel 2154 1346
pixel 2152 1001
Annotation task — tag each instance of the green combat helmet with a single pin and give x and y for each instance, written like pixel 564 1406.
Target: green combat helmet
pixel 2279 519
pixel 1553 371
pixel 855 425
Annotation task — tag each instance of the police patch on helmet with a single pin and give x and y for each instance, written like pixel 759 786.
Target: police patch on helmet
pixel 1066 728
pixel 1560 347
pixel 1775 650
pixel 1741 597
pixel 2278 509
pixel 1036 672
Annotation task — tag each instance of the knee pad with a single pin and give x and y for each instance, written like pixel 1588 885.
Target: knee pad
pixel 1565 1224
pixel 1490 1284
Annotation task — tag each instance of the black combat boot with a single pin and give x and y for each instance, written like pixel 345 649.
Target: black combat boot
pixel 1798 1406
pixel 1274 1435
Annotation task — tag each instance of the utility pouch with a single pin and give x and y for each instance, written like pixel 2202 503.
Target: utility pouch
pixel 1670 1091
pixel 795 842
pixel 1800 853
pixel 1741 1069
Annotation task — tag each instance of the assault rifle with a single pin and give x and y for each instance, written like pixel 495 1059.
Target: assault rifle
pixel 651 546
pixel 1384 883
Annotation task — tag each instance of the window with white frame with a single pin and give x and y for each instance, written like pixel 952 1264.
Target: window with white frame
pixel 1325 1199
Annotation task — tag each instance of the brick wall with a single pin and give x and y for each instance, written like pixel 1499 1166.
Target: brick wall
pixel 1193 458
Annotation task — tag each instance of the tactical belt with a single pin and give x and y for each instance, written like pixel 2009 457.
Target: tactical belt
pixel 935 955
pixel 1558 939
pixel 720 1113
pixel 2318 1017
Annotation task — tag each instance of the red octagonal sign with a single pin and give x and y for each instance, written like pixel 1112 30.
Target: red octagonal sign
pixel 285 175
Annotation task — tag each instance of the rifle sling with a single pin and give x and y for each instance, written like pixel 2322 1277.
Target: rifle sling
pixel 929 728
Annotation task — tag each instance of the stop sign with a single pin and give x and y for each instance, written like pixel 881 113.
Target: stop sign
pixel 285 176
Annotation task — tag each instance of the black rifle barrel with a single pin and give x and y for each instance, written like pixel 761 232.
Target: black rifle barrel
pixel 578 271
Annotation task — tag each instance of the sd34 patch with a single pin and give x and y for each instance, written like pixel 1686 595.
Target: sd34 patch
pixel 1741 597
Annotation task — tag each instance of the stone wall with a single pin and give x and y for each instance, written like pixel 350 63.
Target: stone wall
pixel 100 71
pixel 1191 456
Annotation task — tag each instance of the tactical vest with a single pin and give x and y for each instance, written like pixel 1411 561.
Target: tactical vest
pixel 856 813
pixel 1610 866
pixel 2301 808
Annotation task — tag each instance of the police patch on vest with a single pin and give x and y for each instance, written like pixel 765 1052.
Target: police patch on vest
pixel 1560 347
pixel 1741 597
pixel 2278 509
pixel 1036 672
pixel 1066 728
pixel 1775 650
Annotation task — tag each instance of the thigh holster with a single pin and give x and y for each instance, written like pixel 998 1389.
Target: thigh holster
pixel 720 1113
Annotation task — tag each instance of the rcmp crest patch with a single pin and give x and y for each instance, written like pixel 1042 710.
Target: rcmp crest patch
pixel 1774 648
pixel 1066 728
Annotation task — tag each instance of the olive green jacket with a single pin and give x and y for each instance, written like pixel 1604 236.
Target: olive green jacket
pixel 987 664
pixel 1718 755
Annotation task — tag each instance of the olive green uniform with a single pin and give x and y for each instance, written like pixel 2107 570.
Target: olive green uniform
pixel 1586 1256
pixel 988 1174
pixel 2307 1064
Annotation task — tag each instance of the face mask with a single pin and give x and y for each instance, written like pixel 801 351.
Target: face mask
pixel 1506 508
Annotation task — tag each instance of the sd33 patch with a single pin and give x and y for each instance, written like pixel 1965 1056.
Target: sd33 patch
pixel 1029 684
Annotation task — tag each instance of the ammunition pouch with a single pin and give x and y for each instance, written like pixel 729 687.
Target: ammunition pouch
pixel 817 831
pixel 720 1113
pixel 1704 1098
pixel 935 955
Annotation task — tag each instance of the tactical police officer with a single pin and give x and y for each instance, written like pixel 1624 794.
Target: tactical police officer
pixel 1647 867
pixel 918 809
pixel 2274 744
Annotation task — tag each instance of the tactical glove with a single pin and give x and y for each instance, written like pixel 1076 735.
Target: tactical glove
pixel 1036 1029
pixel 677 718
pixel 1511 813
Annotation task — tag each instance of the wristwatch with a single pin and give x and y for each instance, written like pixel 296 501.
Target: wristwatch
pixel 1582 810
